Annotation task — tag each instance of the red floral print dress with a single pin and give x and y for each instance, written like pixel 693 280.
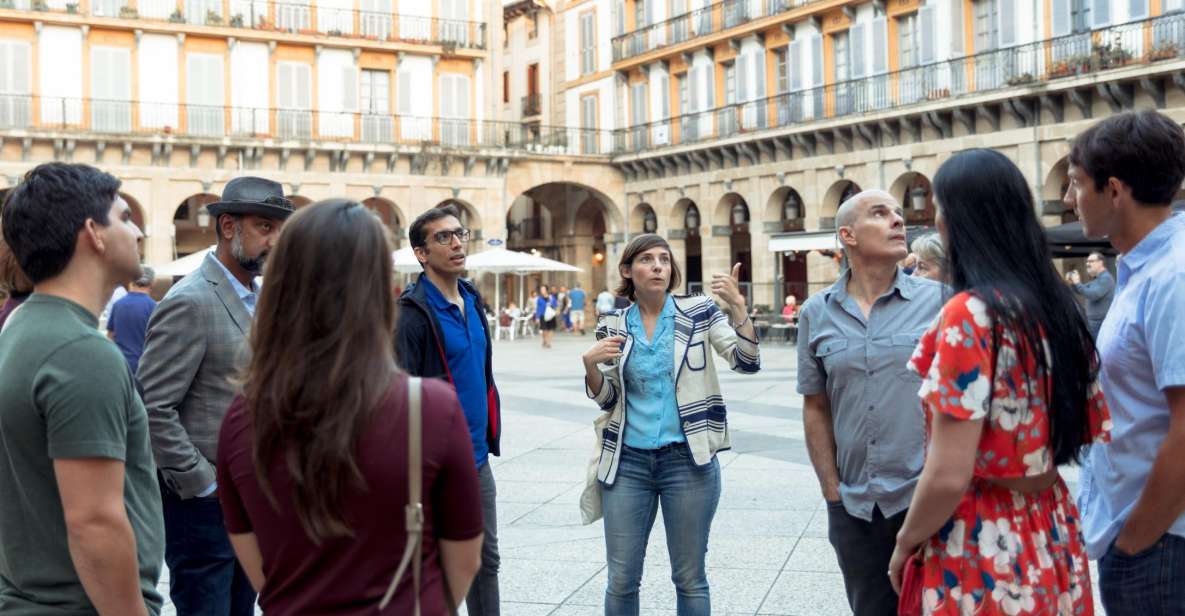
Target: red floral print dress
pixel 1001 552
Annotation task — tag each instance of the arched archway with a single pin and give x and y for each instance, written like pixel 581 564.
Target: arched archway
pixel 912 190
pixel 785 205
pixel 838 193
pixel 732 212
pixel 1053 191
pixel 194 228
pixel 643 219
pixel 684 222
pixel 389 213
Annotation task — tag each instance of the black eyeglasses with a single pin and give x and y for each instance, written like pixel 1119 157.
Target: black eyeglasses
pixel 444 238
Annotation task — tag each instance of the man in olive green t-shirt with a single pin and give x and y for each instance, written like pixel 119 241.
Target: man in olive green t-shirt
pixel 81 530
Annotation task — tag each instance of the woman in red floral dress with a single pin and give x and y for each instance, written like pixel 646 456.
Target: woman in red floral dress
pixel 1010 393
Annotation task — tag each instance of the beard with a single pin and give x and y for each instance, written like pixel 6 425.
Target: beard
pixel 253 265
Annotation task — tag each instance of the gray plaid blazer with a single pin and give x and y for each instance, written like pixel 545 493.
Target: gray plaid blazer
pixel 196 341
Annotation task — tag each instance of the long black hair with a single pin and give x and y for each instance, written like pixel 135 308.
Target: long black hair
pixel 998 252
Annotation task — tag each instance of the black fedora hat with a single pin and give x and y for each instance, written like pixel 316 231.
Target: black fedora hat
pixel 252 196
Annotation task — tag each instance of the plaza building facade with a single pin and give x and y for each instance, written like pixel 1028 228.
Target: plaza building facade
pixel 734 128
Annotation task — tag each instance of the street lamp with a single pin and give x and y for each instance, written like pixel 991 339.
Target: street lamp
pixel 691 220
pixel 740 214
pixel 203 218
pixel 649 222
pixel 917 198
pixel 791 208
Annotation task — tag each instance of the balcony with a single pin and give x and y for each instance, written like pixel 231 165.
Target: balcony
pixel 710 19
pixel 1142 42
pixel 532 105
pixel 51 117
pixel 268 15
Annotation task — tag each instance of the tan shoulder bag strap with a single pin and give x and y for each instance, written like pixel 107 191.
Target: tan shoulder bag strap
pixel 414 512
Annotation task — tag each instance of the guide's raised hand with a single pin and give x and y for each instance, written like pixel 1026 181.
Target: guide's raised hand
pixel 728 288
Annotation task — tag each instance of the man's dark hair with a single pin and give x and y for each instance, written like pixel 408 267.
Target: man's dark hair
pixel 45 212
pixel 1143 149
pixel 416 233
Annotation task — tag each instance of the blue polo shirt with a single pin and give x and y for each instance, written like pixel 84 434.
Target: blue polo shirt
pixel 465 349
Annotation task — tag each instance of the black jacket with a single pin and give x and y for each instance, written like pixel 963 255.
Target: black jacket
pixel 419 350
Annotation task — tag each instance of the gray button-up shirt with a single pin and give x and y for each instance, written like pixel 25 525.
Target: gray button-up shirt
pixel 861 365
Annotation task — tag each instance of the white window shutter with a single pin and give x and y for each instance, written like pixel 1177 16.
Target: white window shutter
pixel 880 46
pixel 741 83
pixel 1007 23
pixel 817 60
pixel 349 89
pixel 759 74
pixel 664 86
pixel 795 66
pixel 403 93
pixel 20 81
pixel 709 72
pixel 1060 24
pixel 1100 13
pixel 462 97
pixel 304 87
pixel 927 32
pixel 857 34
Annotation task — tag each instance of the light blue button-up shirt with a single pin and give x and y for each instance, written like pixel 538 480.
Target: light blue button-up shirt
pixel 249 296
pixel 652 412
pixel 1142 346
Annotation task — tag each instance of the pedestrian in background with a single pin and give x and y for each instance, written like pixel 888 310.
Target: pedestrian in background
pixel 196 339
pixel 545 314
pixel 80 511
pixel 665 426
pixel 860 411
pixel 1010 393
pixel 1098 293
pixel 931 257
pixel 16 285
pixel 312 463
pixel 128 321
pixel 443 334
pixel 576 313
pixel 605 302
pixel 1124 172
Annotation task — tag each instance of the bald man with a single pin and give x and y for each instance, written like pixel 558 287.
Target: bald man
pixel 863 418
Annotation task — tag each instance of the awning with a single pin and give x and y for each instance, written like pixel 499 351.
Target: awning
pixel 803 241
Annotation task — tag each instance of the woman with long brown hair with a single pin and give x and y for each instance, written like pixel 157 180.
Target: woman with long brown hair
pixel 312 470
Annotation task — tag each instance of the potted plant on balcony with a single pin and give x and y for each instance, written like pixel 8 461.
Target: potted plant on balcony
pixel 1109 55
pixel 177 17
pixel 128 12
pixel 1020 80
pixel 1164 51
pixel 72 8
pixel 448 47
pixel 213 18
pixel 236 21
pixel 40 5
pixel 7 4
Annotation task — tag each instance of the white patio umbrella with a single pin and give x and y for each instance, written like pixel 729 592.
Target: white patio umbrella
pixel 502 261
pixel 406 262
pixel 183 266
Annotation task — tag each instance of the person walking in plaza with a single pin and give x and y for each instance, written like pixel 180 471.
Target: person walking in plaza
pixel 195 343
pixel 860 411
pixel 667 419
pixel 312 465
pixel 16 285
pixel 1124 172
pixel 576 312
pixel 546 313
pixel 1010 392
pixel 1098 293
pixel 128 321
pixel 931 257
pixel 443 333
pixel 605 301
pixel 565 307
pixel 80 515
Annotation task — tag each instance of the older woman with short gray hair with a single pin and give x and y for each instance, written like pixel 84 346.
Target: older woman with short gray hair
pixel 931 254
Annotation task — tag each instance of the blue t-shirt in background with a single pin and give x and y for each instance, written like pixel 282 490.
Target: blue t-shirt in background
pixel 577 297
pixel 465 349
pixel 129 321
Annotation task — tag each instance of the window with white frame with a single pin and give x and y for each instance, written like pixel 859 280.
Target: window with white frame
pixel 454 109
pixel 293 15
pixel 454 16
pixel 374 19
pixel 588 124
pixel 204 94
pixel 376 106
pixel 111 89
pixel 588 43
pixel 294 100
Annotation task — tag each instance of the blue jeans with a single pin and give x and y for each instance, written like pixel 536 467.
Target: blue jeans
pixel 689 495
pixel 1150 583
pixel 205 579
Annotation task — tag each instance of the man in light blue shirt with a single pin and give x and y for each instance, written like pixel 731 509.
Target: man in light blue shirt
pixel 1124 173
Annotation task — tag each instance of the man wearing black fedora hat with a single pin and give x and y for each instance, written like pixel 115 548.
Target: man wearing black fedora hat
pixel 192 349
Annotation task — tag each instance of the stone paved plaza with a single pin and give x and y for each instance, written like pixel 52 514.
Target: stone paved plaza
pixel 768 553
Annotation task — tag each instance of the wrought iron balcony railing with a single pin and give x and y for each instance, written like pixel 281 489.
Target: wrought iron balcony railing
pixel 710 19
pixel 28 114
pixel 532 105
pixel 290 16
pixel 1140 42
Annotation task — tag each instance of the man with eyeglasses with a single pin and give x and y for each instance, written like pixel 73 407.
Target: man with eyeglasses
pixel 1098 292
pixel 442 333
